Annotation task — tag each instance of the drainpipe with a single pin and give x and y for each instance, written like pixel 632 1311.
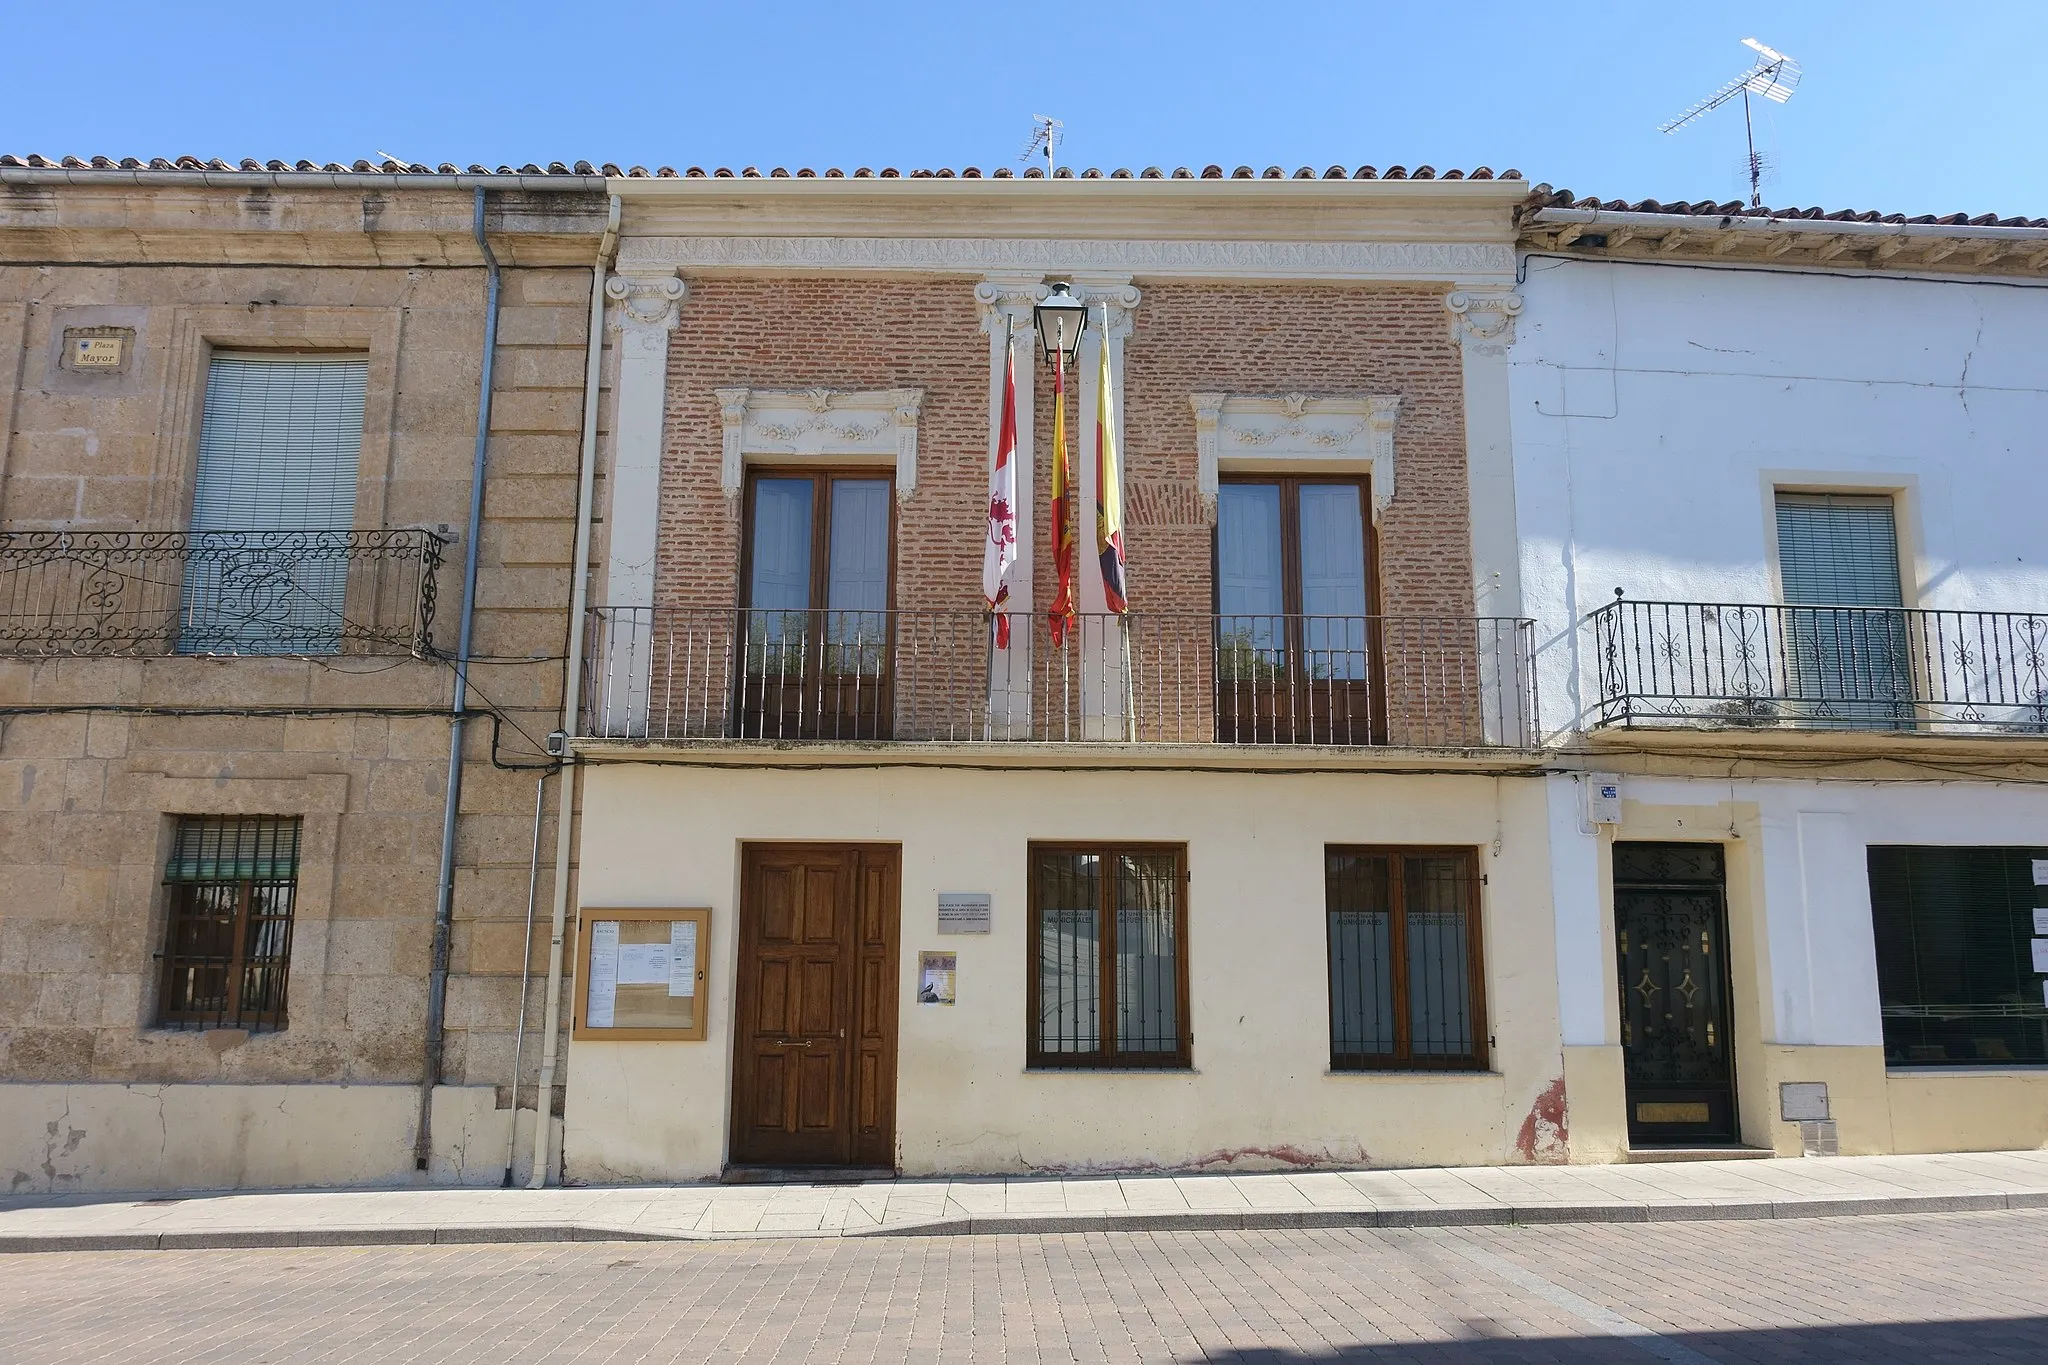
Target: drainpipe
pixel 444 901
pixel 572 693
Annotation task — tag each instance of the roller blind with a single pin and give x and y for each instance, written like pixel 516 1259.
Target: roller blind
pixel 1838 550
pixel 279 444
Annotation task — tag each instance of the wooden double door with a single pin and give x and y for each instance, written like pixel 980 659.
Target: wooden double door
pixel 814 1064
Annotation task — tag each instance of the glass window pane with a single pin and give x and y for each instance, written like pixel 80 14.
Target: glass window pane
pixel 1069 952
pixel 779 581
pixel 857 576
pixel 1333 579
pixel 1147 955
pixel 1356 889
pixel 1249 593
pixel 1439 979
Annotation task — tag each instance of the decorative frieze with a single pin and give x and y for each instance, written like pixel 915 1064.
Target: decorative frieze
pixel 877 426
pixel 1298 431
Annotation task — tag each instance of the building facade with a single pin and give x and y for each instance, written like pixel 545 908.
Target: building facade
pixel 1254 876
pixel 238 434
pixel 1793 627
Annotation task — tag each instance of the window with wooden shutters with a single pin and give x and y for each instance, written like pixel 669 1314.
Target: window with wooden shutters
pixel 1109 971
pixel 1406 989
pixel 1957 980
pixel 231 881
pixel 1838 558
pixel 280 443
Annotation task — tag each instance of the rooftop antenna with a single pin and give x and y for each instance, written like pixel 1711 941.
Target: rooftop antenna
pixel 1774 77
pixel 1046 132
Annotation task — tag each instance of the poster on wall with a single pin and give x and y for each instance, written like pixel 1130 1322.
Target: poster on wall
pixel 935 976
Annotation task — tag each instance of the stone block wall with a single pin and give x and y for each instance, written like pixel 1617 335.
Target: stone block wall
pixel 90 785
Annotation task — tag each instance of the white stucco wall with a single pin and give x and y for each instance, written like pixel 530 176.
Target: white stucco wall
pixel 1654 407
pixel 1260 1092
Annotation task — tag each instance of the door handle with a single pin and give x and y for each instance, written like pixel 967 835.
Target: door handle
pixel 791 1042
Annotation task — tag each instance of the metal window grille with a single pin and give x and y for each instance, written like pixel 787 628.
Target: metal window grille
pixel 1109 976
pixel 231 882
pixel 1405 980
pixel 1955 971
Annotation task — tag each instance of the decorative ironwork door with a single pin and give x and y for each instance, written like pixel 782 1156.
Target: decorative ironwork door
pixel 1671 942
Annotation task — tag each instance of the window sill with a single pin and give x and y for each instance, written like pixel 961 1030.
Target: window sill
pixel 1967 1069
pixel 1397 1073
pixel 1112 1071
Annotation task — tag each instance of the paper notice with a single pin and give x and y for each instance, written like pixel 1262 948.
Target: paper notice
pixel 2041 955
pixel 682 957
pixel 643 964
pixel 2041 871
pixel 604 974
pixel 2041 919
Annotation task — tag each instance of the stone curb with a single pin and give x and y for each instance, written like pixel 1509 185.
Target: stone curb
pixel 1018 1224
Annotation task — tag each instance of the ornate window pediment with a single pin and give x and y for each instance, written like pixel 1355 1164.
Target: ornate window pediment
pixel 1298 431
pixel 876 426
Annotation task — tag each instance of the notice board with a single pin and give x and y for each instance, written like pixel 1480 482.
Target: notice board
pixel 641 974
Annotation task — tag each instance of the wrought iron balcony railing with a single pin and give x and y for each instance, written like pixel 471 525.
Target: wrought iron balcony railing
pixel 1821 668
pixel 680 674
pixel 217 592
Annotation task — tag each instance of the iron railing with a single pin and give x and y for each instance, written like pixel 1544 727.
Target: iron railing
pixel 686 674
pixel 217 592
pixel 1821 667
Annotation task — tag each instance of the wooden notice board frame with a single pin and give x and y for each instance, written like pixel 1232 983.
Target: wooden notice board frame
pixel 643 925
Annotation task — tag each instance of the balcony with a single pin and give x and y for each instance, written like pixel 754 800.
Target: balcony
pixel 139 593
pixel 672 674
pixel 1719 664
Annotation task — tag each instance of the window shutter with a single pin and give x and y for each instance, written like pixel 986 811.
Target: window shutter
pixel 1837 550
pixel 280 444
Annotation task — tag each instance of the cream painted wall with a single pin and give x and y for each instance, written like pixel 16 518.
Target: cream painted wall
pixel 1259 1094
pixel 1802 947
pixel 73 1138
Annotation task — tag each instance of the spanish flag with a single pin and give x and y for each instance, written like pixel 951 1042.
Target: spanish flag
pixel 1061 617
pixel 1109 492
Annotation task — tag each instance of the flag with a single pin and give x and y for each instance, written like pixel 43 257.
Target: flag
pixel 1109 493
pixel 1001 550
pixel 1061 617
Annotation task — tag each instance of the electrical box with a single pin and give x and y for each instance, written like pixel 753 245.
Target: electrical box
pixel 1603 799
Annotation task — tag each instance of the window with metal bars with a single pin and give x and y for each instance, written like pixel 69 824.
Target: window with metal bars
pixel 230 884
pixel 1109 970
pixel 1957 981
pixel 1406 987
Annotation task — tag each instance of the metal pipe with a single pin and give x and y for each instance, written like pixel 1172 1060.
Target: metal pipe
pixel 540 788
pixel 572 697
pixel 1745 221
pixel 444 899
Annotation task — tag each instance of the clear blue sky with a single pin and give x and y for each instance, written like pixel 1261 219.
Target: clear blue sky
pixel 1905 106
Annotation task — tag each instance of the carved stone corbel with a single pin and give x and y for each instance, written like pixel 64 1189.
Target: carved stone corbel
pixel 1483 320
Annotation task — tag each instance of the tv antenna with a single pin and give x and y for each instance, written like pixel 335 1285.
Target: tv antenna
pixel 1047 133
pixel 1774 77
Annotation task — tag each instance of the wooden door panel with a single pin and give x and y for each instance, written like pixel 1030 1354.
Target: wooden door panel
pixel 814 1065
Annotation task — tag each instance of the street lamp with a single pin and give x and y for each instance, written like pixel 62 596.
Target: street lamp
pixel 1061 319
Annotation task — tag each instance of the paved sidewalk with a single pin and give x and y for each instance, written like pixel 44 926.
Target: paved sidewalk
pixel 1448 1197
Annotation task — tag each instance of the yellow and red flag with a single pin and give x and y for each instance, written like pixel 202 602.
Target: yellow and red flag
pixel 1060 618
pixel 1109 492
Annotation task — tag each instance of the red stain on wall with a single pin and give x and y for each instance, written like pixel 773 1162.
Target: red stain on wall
pixel 1545 1138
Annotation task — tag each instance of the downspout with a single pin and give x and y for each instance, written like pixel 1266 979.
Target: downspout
pixel 572 700
pixel 444 901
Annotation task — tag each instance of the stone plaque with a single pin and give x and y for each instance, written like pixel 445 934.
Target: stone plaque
pixel 966 912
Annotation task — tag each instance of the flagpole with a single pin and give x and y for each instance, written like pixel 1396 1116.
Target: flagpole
pixel 1130 686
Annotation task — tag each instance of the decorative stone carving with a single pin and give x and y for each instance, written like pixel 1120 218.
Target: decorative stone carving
pixel 1484 319
pixel 815 423
pixel 1008 297
pixel 1119 296
pixel 1447 261
pixel 649 303
pixel 1296 429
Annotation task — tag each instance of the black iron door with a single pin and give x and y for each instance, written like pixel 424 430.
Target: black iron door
pixel 1671 942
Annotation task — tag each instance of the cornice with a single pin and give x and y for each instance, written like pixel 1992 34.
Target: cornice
pixel 1263 260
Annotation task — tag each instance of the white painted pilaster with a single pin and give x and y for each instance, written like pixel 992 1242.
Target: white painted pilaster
pixel 1111 299
pixel 1483 322
pixel 646 305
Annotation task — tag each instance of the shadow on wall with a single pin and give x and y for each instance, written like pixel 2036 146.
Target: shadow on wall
pixel 1966 1339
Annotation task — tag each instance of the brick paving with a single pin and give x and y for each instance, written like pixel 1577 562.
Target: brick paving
pixel 1906 1288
